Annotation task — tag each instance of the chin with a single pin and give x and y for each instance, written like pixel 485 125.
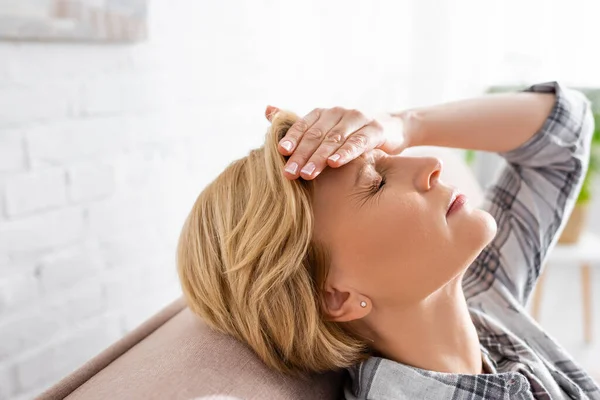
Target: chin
pixel 485 227
pixel 477 230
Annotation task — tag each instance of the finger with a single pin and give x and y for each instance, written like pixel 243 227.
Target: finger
pixel 367 138
pixel 311 140
pixel 288 143
pixel 270 112
pixel 352 121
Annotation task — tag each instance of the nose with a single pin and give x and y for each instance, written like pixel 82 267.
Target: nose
pixel 428 174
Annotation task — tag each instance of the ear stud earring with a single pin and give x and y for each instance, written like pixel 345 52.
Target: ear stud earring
pixel 363 304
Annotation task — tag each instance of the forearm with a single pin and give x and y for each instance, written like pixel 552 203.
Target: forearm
pixel 497 123
pixel 534 192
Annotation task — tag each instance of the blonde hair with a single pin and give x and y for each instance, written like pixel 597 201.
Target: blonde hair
pixel 249 267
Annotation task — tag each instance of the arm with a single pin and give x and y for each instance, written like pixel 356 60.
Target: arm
pixel 544 134
pixel 498 123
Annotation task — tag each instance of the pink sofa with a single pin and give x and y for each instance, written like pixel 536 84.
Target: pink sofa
pixel 174 355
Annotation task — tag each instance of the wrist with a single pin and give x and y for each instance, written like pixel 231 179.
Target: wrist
pixel 412 126
pixel 393 129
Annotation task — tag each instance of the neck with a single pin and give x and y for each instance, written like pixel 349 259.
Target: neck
pixel 437 334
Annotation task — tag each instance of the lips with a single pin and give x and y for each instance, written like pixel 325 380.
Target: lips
pixel 456 199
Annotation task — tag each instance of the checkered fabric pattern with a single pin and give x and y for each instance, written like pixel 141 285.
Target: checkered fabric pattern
pixel 530 200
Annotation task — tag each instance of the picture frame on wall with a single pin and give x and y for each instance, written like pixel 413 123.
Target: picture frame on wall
pixel 73 20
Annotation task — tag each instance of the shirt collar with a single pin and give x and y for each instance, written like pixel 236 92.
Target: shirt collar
pixel 379 377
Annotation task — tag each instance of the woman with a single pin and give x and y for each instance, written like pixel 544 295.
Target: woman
pixel 379 267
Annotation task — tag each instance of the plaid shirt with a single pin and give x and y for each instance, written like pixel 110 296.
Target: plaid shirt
pixel 531 200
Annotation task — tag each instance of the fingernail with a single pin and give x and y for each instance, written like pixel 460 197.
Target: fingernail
pixel 334 157
pixel 286 144
pixel 292 168
pixel 308 168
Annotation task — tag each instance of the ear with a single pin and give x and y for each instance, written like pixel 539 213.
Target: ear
pixel 344 305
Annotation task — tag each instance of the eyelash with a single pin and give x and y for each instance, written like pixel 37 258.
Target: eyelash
pixel 378 184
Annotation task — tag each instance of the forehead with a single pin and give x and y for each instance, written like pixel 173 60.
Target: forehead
pixel 332 191
pixel 336 179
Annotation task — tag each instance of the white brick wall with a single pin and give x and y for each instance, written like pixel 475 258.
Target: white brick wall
pixel 58 358
pixel 89 181
pixel 44 102
pixel 62 141
pixel 62 269
pixel 12 151
pixel 35 191
pixel 41 231
pixel 17 289
pixel 8 381
pixel 103 148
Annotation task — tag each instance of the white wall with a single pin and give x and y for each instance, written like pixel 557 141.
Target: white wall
pixel 103 149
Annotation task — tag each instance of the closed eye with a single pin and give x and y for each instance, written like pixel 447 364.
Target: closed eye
pixel 378 168
pixel 378 184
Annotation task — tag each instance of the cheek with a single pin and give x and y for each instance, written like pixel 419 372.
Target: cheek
pixel 393 223
pixel 408 226
pixel 395 236
pixel 410 249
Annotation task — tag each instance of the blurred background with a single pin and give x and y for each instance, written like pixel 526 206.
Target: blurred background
pixel 107 135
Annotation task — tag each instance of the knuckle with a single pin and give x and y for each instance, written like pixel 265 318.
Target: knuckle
pixel 377 125
pixel 346 153
pixel 301 125
pixel 338 110
pixel 299 159
pixel 314 114
pixel 354 113
pixel 334 136
pixel 314 133
pixel 357 141
pixel 319 158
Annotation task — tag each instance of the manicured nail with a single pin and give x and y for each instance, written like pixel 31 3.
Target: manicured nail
pixel 308 168
pixel 334 157
pixel 292 168
pixel 286 144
